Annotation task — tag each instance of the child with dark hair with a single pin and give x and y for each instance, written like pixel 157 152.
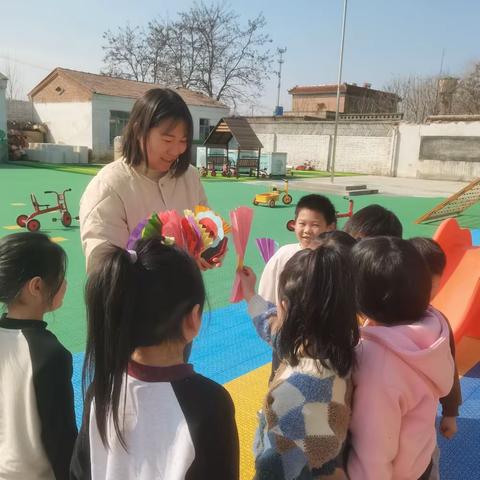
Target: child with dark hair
pixel 314 214
pixel 436 261
pixel 435 258
pixel 373 221
pixel 303 426
pixel 147 413
pixel 404 363
pixel 37 418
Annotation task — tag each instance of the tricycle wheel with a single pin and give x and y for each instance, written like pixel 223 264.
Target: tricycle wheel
pixel 22 220
pixel 271 203
pixel 229 173
pixel 255 202
pixel 66 219
pixel 33 225
pixel 213 173
pixel 287 199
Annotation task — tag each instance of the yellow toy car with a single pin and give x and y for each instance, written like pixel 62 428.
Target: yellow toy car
pixel 270 198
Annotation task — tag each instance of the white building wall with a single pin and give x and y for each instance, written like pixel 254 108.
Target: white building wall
pixel 103 104
pixel 304 148
pixel 268 141
pixel 354 153
pixel 408 150
pixel 357 154
pixel 409 165
pixel 68 123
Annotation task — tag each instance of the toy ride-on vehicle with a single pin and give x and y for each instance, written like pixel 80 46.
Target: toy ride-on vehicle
pixel 32 224
pixel 270 198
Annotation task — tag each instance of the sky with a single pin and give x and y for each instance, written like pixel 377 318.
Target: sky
pixel 384 39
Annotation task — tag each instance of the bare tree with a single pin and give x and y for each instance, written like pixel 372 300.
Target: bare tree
pixel 419 96
pixel 127 54
pixel 15 89
pixel 205 49
pixel 180 48
pixel 466 99
pixel 235 61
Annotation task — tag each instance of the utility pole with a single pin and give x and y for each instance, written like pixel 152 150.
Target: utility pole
pixel 280 61
pixel 339 80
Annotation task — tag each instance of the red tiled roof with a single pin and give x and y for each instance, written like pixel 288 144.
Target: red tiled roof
pixel 119 87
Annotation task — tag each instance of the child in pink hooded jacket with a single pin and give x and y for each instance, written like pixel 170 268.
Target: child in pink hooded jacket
pixel 404 364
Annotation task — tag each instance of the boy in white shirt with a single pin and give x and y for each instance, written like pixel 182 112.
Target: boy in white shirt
pixel 314 215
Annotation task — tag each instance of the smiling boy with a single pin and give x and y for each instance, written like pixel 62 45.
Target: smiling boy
pixel 314 215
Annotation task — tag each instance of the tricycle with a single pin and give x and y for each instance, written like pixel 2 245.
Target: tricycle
pixel 32 224
pixel 270 198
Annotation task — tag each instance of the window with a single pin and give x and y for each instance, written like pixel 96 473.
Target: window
pixel 118 120
pixel 204 128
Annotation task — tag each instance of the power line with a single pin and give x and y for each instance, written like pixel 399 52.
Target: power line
pixel 13 60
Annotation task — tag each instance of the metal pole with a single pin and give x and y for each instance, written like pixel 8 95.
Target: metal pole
pixel 280 51
pixel 340 66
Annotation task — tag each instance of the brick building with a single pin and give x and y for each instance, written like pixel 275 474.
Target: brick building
pixel 85 109
pixel 317 99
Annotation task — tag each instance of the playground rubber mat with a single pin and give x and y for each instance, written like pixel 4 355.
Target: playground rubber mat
pixel 227 349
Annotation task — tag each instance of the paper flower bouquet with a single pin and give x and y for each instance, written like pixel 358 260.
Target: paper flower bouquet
pixel 201 232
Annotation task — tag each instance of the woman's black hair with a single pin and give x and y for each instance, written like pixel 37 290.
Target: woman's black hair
pixel 318 295
pixel 373 221
pixel 153 107
pixel 392 279
pixel 431 252
pixel 130 305
pixel 26 255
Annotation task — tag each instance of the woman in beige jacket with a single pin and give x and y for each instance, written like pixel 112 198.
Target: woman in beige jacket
pixel 154 174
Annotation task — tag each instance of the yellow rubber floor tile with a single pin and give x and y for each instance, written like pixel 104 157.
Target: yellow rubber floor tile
pixel 248 393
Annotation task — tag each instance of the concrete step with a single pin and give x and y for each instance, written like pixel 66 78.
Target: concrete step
pixel 349 188
pixel 367 191
pixel 333 187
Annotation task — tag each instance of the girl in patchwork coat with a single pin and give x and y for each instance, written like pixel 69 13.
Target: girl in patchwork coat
pixel 304 422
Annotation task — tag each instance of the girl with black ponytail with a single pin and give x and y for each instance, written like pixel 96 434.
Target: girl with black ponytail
pixel 147 413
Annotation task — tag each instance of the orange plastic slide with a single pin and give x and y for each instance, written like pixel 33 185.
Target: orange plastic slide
pixel 459 294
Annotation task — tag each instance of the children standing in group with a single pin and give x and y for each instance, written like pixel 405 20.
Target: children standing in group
pixel 147 413
pixel 404 363
pixel 37 419
pixel 303 426
pixel 314 214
